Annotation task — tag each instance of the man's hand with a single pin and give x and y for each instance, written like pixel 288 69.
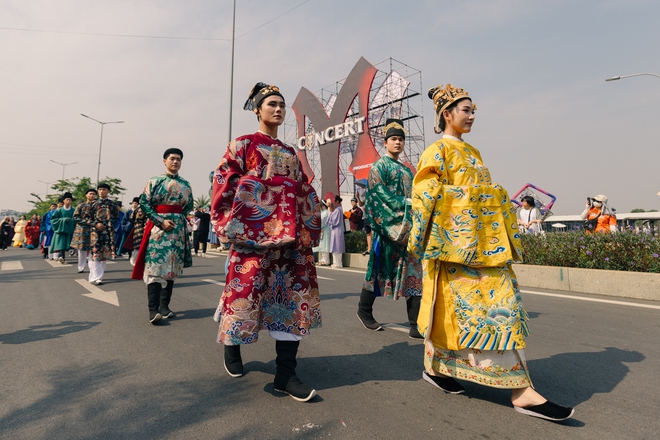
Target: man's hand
pixel 100 226
pixel 167 225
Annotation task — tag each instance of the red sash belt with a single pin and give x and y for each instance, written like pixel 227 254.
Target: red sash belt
pixel 138 269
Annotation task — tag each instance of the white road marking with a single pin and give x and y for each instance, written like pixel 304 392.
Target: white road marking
pixel 219 283
pixel 210 256
pixel 101 295
pixel 324 278
pixel 11 265
pixel 397 327
pixel 70 263
pixel 583 298
pixel 340 269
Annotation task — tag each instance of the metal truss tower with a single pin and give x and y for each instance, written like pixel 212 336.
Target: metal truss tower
pixel 396 92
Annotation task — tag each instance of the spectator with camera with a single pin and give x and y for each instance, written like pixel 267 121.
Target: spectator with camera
pixel 598 215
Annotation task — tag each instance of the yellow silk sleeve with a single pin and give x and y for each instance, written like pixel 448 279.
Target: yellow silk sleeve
pixel 470 224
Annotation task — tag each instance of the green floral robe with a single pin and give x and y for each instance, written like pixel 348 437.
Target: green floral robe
pixel 63 225
pixel 167 252
pixel 391 271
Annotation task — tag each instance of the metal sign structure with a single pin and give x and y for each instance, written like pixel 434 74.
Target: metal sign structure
pixel 338 131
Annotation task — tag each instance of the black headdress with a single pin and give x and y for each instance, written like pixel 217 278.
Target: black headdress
pixel 394 127
pixel 257 95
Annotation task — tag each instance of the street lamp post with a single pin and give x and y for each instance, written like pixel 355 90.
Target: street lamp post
pixel 616 78
pixel 98 169
pixel 47 185
pixel 231 80
pixel 63 165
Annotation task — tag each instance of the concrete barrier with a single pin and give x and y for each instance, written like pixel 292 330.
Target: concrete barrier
pixel 640 285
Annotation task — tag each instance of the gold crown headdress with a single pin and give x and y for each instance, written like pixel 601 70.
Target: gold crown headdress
pixel 443 98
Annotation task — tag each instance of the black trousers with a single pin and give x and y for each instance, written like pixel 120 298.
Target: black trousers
pixel 200 237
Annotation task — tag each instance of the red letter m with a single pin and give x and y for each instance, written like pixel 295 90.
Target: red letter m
pixel 308 105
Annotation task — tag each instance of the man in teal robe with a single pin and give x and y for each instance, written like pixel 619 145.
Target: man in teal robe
pixel 391 271
pixel 63 227
pixel 165 247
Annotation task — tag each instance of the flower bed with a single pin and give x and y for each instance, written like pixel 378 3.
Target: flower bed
pixel 628 251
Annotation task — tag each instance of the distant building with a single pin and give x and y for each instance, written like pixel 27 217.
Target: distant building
pixel 11 213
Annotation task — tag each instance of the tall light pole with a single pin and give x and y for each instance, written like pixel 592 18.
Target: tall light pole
pixel 98 169
pixel 63 165
pixel 615 78
pixel 231 80
pixel 47 185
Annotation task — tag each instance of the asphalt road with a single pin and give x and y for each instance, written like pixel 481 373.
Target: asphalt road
pixel 78 367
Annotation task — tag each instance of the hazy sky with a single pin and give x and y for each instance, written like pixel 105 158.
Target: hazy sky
pixel 536 70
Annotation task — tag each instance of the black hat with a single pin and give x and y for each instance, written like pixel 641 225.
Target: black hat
pixel 66 195
pixel 353 199
pixel 103 185
pixel 89 190
pixel 394 127
pixel 172 151
pixel 119 203
pixel 259 92
pixel 136 200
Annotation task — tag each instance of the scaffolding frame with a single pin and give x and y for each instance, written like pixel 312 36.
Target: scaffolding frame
pixel 409 108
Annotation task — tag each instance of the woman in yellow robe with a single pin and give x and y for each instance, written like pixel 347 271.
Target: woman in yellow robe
pixel 19 232
pixel 466 234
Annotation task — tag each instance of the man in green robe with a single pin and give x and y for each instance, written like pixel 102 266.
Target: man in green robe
pixel 63 227
pixel 391 271
pixel 165 247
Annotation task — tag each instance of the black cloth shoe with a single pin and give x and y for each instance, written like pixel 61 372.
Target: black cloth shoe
pixel 365 310
pixel 412 307
pixel 297 390
pixel 548 411
pixel 414 333
pixel 233 362
pixel 446 384
pixel 165 297
pixel 154 317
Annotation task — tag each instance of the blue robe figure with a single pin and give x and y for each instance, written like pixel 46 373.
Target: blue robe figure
pixel 119 233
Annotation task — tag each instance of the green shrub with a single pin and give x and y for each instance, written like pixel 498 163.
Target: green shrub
pixel 356 242
pixel 628 250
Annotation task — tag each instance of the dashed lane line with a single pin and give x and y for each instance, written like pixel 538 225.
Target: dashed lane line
pixel 217 283
pixel 70 263
pixel 11 265
pixel 339 269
